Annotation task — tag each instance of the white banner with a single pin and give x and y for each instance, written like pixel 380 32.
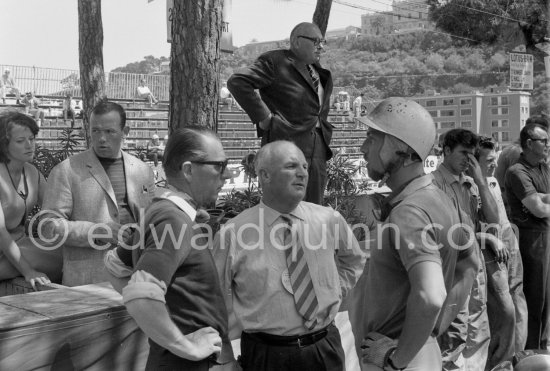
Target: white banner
pixel 521 71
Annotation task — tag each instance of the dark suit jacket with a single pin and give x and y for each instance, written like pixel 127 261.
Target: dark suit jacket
pixel 286 90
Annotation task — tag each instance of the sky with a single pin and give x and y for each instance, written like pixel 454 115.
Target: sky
pixel 44 33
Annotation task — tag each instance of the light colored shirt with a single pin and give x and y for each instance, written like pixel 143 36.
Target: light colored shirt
pixel 8 81
pixel 142 90
pixel 251 263
pixel 462 190
pixel 224 93
pixel 507 234
pixel 417 230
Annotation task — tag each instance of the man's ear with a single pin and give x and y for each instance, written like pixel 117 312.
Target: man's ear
pixel 263 174
pixel 126 130
pixel 187 170
pixel 446 151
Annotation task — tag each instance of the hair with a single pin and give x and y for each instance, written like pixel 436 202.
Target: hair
pixel 7 121
pixel 185 144
pixel 527 133
pixel 487 143
pixel 104 107
pixel 298 28
pixel 539 120
pixel 456 137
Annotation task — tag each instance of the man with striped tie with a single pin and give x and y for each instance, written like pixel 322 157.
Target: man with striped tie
pixel 294 100
pixel 285 266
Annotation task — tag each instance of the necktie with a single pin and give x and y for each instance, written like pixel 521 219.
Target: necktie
pixel 314 77
pixel 300 278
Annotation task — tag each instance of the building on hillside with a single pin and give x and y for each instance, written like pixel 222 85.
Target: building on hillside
pixel 410 15
pixel 500 115
pixel 349 32
pixel 374 24
pixel 405 16
pixel 164 67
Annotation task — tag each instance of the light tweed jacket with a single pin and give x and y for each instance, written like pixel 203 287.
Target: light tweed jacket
pixel 79 195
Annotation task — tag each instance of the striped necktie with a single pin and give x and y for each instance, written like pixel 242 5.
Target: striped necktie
pixel 314 77
pixel 300 278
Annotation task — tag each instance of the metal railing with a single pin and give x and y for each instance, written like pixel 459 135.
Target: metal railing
pixel 59 82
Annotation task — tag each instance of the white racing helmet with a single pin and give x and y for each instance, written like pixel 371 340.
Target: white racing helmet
pixel 536 362
pixel 406 120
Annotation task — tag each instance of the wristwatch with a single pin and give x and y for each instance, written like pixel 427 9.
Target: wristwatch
pixel 389 362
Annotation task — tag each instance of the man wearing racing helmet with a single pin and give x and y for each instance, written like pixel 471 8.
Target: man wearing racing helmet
pixel 422 266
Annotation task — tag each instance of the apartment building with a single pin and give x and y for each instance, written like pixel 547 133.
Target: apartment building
pixel 500 115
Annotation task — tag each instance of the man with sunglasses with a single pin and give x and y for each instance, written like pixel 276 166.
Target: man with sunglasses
pixel 170 284
pixel 294 100
pixel 528 192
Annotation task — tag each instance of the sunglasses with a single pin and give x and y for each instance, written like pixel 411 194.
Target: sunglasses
pixel 221 164
pixel 316 41
pixel 543 141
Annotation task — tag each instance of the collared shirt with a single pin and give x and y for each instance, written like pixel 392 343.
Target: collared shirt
pixel 418 229
pixel 251 261
pixel 462 190
pixel 523 180
pixel 506 234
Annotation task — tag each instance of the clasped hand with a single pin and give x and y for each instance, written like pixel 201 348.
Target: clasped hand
pixel 376 348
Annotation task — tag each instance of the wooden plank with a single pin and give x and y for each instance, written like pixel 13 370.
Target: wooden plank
pixel 105 341
pixel 12 316
pixel 64 303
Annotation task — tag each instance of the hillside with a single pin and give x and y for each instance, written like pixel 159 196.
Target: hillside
pixel 412 64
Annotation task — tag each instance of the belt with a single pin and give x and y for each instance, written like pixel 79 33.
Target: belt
pixel 299 341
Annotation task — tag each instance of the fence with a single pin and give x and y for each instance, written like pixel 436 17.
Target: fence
pixel 58 82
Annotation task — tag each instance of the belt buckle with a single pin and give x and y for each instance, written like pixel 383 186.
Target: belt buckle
pixel 299 341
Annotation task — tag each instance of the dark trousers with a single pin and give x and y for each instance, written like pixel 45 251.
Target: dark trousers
pixel 535 248
pixel 317 172
pixel 161 359
pixel 326 354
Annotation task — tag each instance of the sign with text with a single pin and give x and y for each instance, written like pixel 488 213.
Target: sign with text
pixel 430 164
pixel 226 41
pixel 521 71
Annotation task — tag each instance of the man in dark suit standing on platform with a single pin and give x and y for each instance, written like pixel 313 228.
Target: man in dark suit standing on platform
pixel 294 100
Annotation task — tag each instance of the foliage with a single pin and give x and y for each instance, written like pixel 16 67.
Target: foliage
pixel 235 201
pixel 490 21
pixel 45 159
pixel 341 187
pixel 148 65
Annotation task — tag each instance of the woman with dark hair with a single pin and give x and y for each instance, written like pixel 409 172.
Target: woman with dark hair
pixel 21 189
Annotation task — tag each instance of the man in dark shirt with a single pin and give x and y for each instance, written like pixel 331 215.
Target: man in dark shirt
pixel 294 100
pixel 170 285
pixel 528 193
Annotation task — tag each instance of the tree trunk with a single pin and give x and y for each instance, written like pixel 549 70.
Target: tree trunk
pixel 194 63
pixel 321 14
pixel 90 52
